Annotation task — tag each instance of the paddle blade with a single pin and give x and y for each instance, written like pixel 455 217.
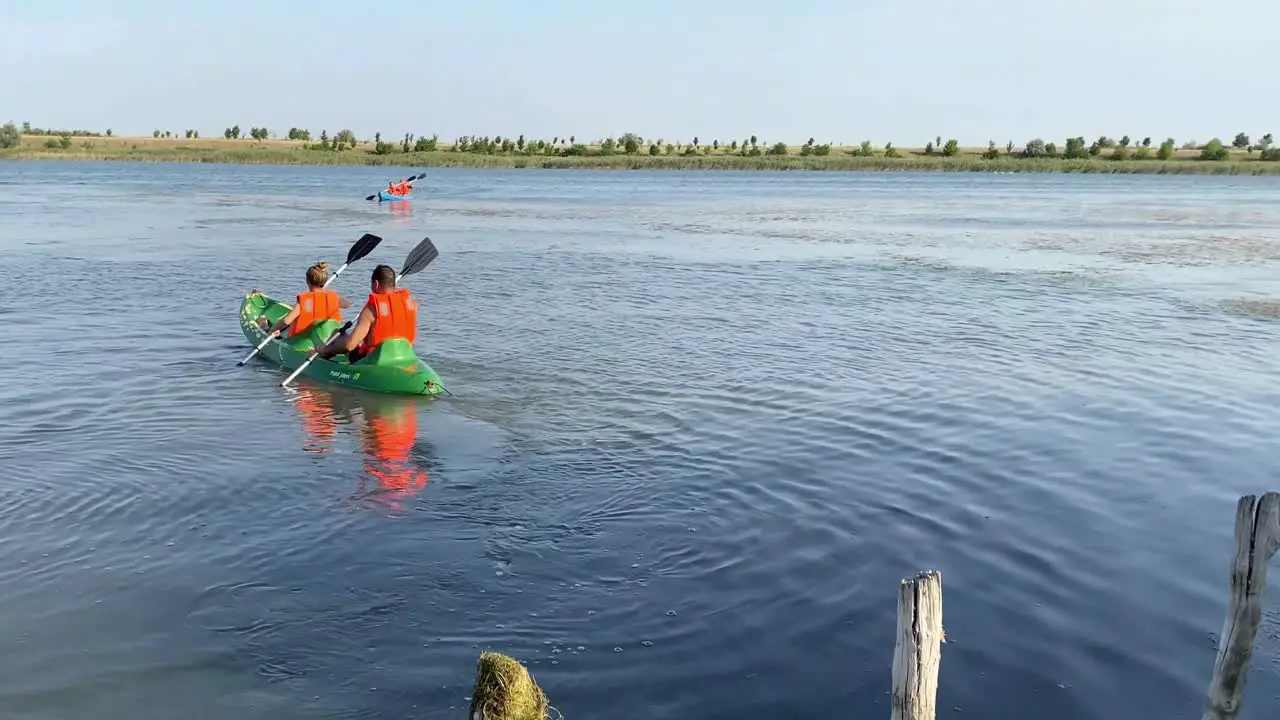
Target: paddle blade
pixel 363 246
pixel 372 196
pixel 420 257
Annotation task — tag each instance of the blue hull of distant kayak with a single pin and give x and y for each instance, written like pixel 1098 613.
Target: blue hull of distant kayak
pixel 388 197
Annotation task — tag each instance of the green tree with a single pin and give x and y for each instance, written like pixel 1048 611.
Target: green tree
pixel 937 142
pixel 155 133
pixel 520 143
pixel 733 145
pixel 1142 153
pixel 235 132
pixel 26 128
pixel 630 143
pixel 1095 148
pixel 777 149
pixel 1214 150
pixel 1270 154
pixel 346 138
pixel 1146 142
pixel 108 132
pixel 1008 148
pixel 382 148
pixel 1075 149
pixel 992 152
pixel 1034 148
pixel 426 144
pixel 1124 141
pixel 1051 150
pixel 654 149
pixel 890 151
pixel 1166 149
pixel 753 141
pixel 1121 152
pixel 1241 141
pixel 952 148
pixel 9 136
pixel 1265 142
pixel 928 148
pixel 64 142
pixel 865 149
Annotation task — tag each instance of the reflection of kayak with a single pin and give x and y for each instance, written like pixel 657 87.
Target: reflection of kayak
pixel 392 368
pixel 386 196
pixel 388 436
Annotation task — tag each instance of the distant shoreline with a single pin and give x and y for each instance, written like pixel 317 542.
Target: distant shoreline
pixel 673 157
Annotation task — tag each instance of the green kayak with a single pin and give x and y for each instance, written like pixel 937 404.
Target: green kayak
pixel 392 368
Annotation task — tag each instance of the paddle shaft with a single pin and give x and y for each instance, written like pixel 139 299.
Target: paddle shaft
pixel 313 356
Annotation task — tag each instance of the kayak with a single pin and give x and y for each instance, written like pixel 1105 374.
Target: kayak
pixel 391 368
pixel 383 195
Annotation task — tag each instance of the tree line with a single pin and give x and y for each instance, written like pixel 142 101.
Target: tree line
pixel 1076 148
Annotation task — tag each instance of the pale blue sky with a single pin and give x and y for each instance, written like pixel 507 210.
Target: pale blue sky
pixel 902 71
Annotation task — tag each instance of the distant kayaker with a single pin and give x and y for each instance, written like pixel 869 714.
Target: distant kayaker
pixel 315 305
pixel 388 313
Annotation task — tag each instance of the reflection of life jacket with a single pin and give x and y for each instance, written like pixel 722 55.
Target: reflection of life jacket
pixel 389 447
pixel 318 423
pixel 395 315
pixel 315 306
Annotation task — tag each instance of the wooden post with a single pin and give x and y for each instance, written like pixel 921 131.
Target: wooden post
pixel 1257 539
pixel 918 649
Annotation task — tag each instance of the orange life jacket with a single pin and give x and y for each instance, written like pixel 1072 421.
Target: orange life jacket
pixel 315 306
pixel 402 189
pixel 395 315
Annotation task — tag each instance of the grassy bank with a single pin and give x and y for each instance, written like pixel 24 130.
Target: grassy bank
pixel 667 157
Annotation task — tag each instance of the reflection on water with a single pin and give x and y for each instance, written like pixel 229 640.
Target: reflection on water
pixel 385 428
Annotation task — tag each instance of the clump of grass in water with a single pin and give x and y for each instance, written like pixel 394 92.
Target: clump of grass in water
pixel 506 691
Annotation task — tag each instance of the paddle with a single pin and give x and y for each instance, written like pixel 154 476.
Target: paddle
pixel 419 258
pixel 363 246
pixel 409 179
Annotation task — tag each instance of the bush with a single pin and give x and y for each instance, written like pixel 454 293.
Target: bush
pixel 1271 155
pixel 992 151
pixel 1214 150
pixel 1143 153
pixel 427 144
pixel 52 144
pixel 1166 150
pixel 9 136
pixel 890 151
pixel 1034 148
pixel 383 148
pixel 1051 150
pixel 64 142
pixel 778 149
pixel 1121 152
pixel 928 148
pixel 952 148
pixel 1076 149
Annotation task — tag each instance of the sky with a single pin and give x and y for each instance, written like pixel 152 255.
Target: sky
pixel 843 71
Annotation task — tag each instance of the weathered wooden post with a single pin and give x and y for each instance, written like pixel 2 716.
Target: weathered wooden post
pixel 1257 539
pixel 917 652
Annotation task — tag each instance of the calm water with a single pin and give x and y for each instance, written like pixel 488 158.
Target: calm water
pixel 703 425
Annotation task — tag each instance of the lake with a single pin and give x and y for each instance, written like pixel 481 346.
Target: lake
pixel 702 425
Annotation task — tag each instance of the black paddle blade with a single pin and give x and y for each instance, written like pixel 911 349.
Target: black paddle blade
pixel 420 257
pixel 372 196
pixel 363 246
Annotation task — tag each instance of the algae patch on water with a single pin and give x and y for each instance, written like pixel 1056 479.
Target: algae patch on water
pixel 506 691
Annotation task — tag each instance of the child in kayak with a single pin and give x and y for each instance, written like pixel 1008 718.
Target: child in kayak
pixel 317 304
